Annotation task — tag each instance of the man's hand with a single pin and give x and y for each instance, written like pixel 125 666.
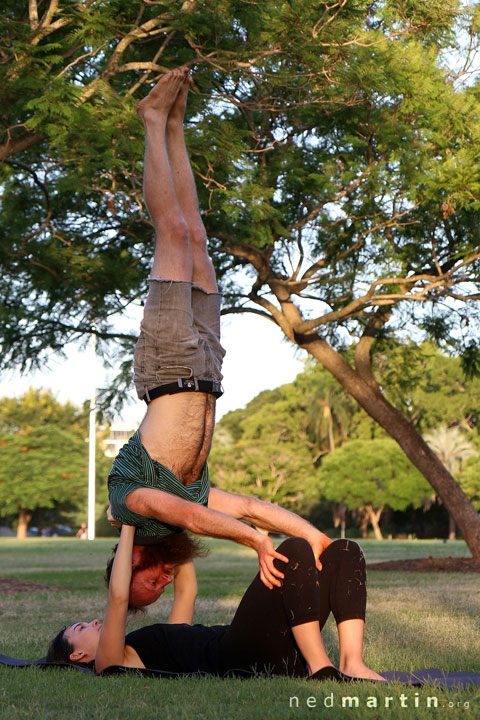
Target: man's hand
pixel 114 523
pixel 269 574
pixel 269 517
pixel 319 542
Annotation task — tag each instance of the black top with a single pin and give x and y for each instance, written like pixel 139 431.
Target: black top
pixel 179 648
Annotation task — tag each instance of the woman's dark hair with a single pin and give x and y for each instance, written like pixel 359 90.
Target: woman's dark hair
pixel 174 550
pixel 60 649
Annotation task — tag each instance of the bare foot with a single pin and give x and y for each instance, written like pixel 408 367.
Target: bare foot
pixel 161 98
pixel 177 113
pixel 359 670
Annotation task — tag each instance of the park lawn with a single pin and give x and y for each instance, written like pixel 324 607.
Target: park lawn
pixel 414 620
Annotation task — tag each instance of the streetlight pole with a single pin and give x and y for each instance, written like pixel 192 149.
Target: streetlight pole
pixel 91 450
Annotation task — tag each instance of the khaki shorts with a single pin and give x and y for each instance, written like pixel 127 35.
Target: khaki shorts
pixel 179 336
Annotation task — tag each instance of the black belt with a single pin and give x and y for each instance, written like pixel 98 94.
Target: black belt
pixel 185 385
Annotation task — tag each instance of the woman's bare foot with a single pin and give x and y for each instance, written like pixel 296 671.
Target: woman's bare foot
pixel 159 101
pixel 177 112
pixel 360 670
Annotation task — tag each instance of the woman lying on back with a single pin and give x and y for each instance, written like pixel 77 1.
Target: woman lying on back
pixel 275 631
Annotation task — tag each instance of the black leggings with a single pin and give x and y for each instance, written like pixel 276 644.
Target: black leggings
pixel 259 637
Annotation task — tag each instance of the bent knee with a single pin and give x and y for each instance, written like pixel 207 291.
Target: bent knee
pixel 346 546
pixel 296 548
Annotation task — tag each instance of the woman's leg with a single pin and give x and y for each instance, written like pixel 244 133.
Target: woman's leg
pixel 350 639
pixel 345 574
pixel 260 635
pixel 276 629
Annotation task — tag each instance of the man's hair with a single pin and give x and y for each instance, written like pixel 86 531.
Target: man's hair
pixel 173 550
pixel 60 649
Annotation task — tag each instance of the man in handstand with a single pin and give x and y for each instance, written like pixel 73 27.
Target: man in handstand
pixel 159 480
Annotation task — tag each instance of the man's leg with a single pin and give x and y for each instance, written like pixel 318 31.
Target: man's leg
pixel 203 273
pixel 203 270
pixel 171 199
pixel 173 257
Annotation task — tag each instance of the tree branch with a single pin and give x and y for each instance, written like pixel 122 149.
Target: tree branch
pixel 33 14
pixel 142 31
pixel 253 311
pixel 15 146
pixel 363 361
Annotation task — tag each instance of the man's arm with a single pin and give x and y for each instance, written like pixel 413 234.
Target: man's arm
pixel 269 517
pixel 204 521
pixel 185 593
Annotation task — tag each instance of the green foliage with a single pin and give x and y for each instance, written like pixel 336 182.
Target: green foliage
pixel 39 408
pixel 336 135
pixel 44 456
pixel 280 445
pixel 41 466
pixel 375 472
pixel 337 149
pixel 469 479
pixel 430 387
pixel 263 450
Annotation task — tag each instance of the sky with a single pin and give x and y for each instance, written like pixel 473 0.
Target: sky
pixel 258 358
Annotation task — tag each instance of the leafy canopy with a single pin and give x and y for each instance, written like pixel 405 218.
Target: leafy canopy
pixel 336 149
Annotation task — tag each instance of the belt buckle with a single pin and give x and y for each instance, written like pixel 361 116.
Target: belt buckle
pixel 187 383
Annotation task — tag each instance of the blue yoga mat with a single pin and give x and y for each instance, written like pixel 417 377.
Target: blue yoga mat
pixel 430 676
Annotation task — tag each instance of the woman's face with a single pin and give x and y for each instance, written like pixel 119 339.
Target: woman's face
pixel 84 638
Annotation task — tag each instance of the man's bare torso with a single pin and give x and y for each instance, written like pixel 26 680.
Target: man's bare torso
pixel 177 431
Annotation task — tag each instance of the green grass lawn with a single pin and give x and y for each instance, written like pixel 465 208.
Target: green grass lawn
pixel 414 620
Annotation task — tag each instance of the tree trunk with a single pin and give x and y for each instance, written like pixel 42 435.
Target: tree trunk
pixel 24 517
pixel 411 442
pixel 374 516
pixel 339 517
pixel 452 534
pixel 327 413
pixel 363 522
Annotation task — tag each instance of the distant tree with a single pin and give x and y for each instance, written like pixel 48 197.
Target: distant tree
pixel 430 386
pixel 44 457
pixel 264 450
pixel 39 467
pixel 367 475
pixel 469 479
pixel 453 449
pixel 36 408
pixel 329 409
pixel 277 472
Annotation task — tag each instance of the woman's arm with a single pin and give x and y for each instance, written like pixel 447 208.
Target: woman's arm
pixel 111 645
pixel 185 593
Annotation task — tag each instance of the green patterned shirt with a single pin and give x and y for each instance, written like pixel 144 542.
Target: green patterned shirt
pixel 133 468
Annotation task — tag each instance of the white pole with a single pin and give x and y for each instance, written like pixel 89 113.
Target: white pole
pixel 91 453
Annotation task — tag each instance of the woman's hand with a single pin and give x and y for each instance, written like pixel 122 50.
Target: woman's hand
pixel 269 574
pixel 114 523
